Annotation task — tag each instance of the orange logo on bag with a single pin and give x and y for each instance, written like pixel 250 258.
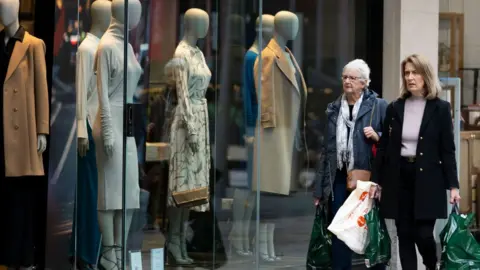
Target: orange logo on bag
pixel 363 195
pixel 361 221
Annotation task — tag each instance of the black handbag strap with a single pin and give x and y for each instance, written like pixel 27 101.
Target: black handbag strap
pixel 373 110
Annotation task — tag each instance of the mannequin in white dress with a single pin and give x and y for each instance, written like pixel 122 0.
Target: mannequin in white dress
pixel 244 198
pixel 86 79
pixel 108 132
pixel 189 136
pixel 85 248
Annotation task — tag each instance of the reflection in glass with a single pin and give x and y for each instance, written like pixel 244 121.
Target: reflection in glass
pixel 243 198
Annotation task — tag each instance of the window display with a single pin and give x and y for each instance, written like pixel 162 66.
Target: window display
pixel 108 132
pixel 25 123
pixel 196 133
pixel 86 244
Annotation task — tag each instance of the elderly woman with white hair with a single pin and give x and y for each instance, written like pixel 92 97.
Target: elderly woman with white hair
pixel 354 126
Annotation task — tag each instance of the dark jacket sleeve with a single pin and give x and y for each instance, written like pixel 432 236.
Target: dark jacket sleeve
pixel 382 145
pixel 320 172
pixel 447 147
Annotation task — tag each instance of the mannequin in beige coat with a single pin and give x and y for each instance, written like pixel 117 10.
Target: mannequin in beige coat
pixel 283 98
pixel 25 124
pixel 279 135
pixel 25 95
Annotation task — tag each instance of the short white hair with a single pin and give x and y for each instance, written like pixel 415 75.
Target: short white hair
pixel 360 66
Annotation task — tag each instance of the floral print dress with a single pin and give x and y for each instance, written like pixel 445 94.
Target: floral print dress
pixel 189 132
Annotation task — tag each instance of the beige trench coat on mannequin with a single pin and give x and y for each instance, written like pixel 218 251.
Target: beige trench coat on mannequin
pixel 282 114
pixel 25 107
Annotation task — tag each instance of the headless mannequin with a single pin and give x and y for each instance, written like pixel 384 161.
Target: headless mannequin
pixel 9 19
pixel 244 199
pixel 110 221
pixel 101 14
pixel 196 27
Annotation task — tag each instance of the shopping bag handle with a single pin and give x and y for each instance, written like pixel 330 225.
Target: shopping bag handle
pixel 320 210
pixel 455 209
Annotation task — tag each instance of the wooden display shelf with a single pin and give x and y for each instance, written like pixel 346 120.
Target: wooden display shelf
pixel 156 152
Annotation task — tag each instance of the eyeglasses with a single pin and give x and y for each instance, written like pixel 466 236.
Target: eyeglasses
pixel 352 78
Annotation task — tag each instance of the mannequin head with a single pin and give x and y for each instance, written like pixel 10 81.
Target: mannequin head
pixel 9 12
pixel 267 27
pixel 101 12
pixel 237 28
pixel 196 23
pixel 134 12
pixel 286 25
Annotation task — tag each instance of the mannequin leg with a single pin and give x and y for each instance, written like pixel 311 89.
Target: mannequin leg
pixel 118 232
pixel 183 234
pixel 271 242
pixel 247 218
pixel 236 234
pixel 174 235
pixel 263 243
pixel 108 258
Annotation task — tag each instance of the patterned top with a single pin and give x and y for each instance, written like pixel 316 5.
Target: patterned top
pixel 192 77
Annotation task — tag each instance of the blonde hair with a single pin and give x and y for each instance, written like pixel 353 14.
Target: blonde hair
pixel 425 69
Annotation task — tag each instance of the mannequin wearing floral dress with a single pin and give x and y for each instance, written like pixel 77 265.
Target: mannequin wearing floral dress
pixel 189 166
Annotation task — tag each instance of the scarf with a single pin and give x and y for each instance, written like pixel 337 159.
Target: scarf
pixel 345 154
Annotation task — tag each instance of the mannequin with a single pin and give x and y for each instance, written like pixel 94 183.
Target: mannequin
pixel 25 124
pixel 189 134
pixel 85 219
pixel 281 128
pixel 108 132
pixel 244 199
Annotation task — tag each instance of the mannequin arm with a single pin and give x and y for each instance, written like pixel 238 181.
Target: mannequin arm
pixel 103 67
pixel 267 107
pixel 83 77
pixel 41 143
pixel 249 95
pixel 41 89
pixel 177 70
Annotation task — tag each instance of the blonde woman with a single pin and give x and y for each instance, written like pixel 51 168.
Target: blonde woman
pixel 416 162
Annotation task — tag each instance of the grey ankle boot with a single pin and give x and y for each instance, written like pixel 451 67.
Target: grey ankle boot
pixel 174 243
pixel 183 236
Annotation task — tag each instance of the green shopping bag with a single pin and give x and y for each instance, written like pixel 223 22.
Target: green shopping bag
pixel 460 250
pixel 320 248
pixel 378 250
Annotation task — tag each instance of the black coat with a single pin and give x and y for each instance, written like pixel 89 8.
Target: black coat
pixel 435 160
